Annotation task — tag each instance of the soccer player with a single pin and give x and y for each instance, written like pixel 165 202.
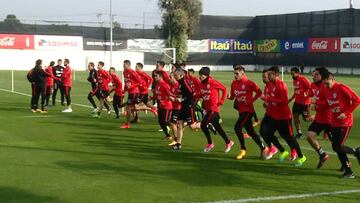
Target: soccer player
pixel 132 83
pixel 322 118
pixel 176 106
pixel 301 104
pixel 118 89
pixel 49 82
pixel 162 95
pixel 66 84
pixel 209 92
pixel 195 86
pixel 160 67
pixel 37 77
pixel 342 102
pixel 95 90
pixel 242 90
pixel 281 117
pixel 57 72
pixel 187 114
pixel 103 79
pixel 144 91
pixel 266 123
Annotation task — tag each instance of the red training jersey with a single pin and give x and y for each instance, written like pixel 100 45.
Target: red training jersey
pixel 194 84
pixel 302 87
pixel 162 94
pixel 279 101
pixel 104 79
pixel 49 79
pixel 174 92
pixel 117 85
pixel 132 81
pixel 209 90
pixel 146 82
pixel 243 92
pixel 267 94
pixel 319 93
pixel 342 99
pixel 66 77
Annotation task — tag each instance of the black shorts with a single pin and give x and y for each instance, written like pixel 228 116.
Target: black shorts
pixel 132 99
pixel 174 115
pixel 301 109
pixel 187 114
pixel 318 127
pixel 104 93
pixel 143 98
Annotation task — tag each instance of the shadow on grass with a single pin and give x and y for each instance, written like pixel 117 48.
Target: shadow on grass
pixel 10 194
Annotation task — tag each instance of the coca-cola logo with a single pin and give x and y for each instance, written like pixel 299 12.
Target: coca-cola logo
pixel 7 41
pixel 320 45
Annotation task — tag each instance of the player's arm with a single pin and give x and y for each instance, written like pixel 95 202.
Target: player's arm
pixel 353 97
pixel 232 89
pixel 257 91
pixel 282 98
pixel 220 87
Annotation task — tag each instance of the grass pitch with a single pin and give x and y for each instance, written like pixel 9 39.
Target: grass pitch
pixel 72 157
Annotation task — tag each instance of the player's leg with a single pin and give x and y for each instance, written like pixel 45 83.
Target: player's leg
pixel 215 121
pixel 314 129
pixel 296 116
pixel 250 130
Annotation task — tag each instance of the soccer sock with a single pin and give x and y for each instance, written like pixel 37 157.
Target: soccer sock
pixel 299 131
pixel 320 151
pixel 257 140
pixel 106 106
pixel 348 150
pixel 91 100
pixel 221 131
pixel 206 132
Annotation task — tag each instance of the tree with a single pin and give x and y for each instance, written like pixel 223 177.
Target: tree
pixel 11 18
pixel 12 23
pixel 179 19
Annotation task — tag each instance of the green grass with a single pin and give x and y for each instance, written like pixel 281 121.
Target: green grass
pixel 75 158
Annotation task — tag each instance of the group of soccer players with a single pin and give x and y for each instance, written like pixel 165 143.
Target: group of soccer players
pixel 177 97
pixel 47 81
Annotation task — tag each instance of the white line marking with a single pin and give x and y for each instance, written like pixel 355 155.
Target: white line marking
pixel 38 116
pixel 285 197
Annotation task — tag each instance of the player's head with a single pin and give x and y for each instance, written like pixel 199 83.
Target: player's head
pixel 265 77
pixel 204 73
pixel 172 78
pixel 59 62
pixel 327 78
pixel 127 64
pixel 158 76
pixel 191 72
pixel 174 66
pixel 52 63
pixel 112 71
pixel 179 74
pixel 91 66
pixel 183 65
pixel 295 72
pixel 139 66
pixel 239 72
pixel 66 62
pixel 100 65
pixel 317 78
pixel 273 73
pixel 160 65
pixel 38 63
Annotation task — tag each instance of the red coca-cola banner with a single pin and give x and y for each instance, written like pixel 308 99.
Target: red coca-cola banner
pixel 324 45
pixel 15 41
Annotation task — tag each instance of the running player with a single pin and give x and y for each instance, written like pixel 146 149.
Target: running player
pixel 162 95
pixel 209 92
pixel 66 84
pixel 103 79
pixel 301 104
pixel 242 90
pixel 176 106
pixel 118 89
pixel 281 117
pixel 322 119
pixel 132 83
pixel 342 102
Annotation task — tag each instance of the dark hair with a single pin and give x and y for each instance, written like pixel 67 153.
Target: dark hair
pixel 52 63
pixel 92 64
pixel 101 63
pixel 182 64
pixel 191 70
pixel 180 70
pixel 59 60
pixel 204 71
pixel 66 61
pixel 162 63
pixel 295 69
pixel 239 67
pixel 325 74
pixel 112 68
pixel 38 63
pixel 140 65
pixel 160 73
pixel 275 69
pixel 176 65
pixel 321 69
pixel 127 62
pixel 265 70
